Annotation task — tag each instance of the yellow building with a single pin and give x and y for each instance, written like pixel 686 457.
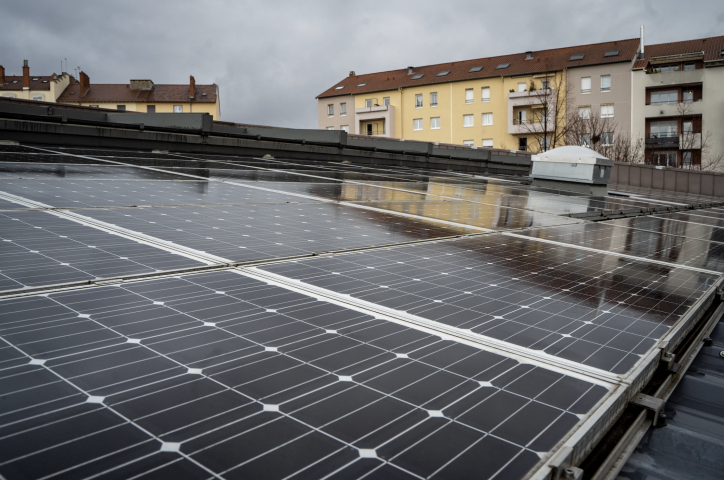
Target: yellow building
pixel 135 96
pixel 491 102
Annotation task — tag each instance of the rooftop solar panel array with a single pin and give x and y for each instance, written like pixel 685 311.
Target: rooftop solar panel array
pixel 346 321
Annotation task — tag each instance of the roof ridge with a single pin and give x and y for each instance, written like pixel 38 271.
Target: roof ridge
pixel 684 41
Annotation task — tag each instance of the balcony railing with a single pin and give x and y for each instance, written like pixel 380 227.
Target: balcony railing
pixel 664 135
pixel 524 121
pixel 375 131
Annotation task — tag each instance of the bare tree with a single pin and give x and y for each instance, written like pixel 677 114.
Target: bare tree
pixel 695 142
pixel 588 128
pixel 548 126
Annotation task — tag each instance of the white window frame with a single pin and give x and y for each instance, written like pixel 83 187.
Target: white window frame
pixel 487 119
pixel 343 109
pixel 585 140
pixel 330 128
pixel 330 110
pixel 522 86
pixel 584 112
pixel 418 100
pixel 469 143
pixel 178 109
pixel 38 97
pixel 9 95
pixel 368 103
pixel 469 95
pixel 687 126
pixel 485 98
pixel 435 123
pixel 488 142
pixel 607 139
pixel 417 124
pixel 468 121
pixel 605 113
pixel 345 128
pixel 545 84
pixel 386 101
pixel 603 87
pixel 585 90
pixel 433 99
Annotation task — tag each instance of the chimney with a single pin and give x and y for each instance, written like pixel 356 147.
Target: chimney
pixel 192 87
pixel 642 43
pixel 26 75
pixel 2 75
pixel 529 55
pixel 410 71
pixel 84 84
pixel 352 74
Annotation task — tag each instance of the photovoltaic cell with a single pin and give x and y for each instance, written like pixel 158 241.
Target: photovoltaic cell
pixel 596 309
pixel 39 248
pixel 670 226
pixel 221 373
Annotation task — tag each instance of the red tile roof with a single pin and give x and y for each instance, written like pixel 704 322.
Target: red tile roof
pixel 543 61
pixel 712 48
pixel 43 83
pixel 123 93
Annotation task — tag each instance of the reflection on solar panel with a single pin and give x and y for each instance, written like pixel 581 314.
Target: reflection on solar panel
pixel 197 315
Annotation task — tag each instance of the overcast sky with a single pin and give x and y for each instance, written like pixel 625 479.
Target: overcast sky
pixel 271 58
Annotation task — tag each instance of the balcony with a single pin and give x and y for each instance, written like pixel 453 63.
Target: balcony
pixel 527 99
pixel 382 115
pixel 674 109
pixel 663 140
pixel 682 77
pixel 380 131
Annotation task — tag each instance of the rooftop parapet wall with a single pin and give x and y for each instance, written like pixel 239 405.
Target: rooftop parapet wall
pixel 694 182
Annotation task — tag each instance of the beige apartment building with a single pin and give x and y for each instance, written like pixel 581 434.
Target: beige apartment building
pixel 337 113
pixel 135 96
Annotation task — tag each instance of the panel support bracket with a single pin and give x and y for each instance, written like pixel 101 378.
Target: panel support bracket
pixel 654 404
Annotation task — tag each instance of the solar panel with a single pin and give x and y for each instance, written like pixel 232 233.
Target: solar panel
pixel 417 77
pixel 611 53
pixel 475 69
pixel 576 57
pixel 502 66
pixel 443 73
pixel 368 334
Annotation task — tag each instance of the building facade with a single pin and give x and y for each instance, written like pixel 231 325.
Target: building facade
pixel 135 96
pixel 678 103
pixel 337 113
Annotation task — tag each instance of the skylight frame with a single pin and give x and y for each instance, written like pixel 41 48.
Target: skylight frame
pixel 612 53
pixel 502 66
pixel 576 57
pixel 340 87
pixel 475 69
pixel 443 73
pixel 362 84
pixel 418 76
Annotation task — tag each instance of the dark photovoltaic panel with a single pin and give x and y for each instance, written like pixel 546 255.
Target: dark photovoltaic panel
pixel 39 248
pixel 122 193
pixel 7 205
pixel 600 310
pixel 670 226
pixel 244 233
pixel 222 374
pixel 673 249
pixel 697 216
pixel 80 172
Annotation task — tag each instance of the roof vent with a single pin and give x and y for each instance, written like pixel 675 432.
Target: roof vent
pixel 576 57
pixel 410 70
pixel 417 77
pixel 529 55
pixel 611 53
pixel 475 69
pixel 443 73
pixel 143 85
pixel 502 66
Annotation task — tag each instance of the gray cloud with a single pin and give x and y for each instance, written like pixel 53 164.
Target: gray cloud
pixel 271 58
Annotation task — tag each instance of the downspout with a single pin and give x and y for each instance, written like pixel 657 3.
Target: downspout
pixel 402 124
pixel 451 116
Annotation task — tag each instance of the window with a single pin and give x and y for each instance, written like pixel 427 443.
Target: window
pixel 488 142
pixel 475 69
pixel 521 117
pixel 339 88
pixel 330 110
pixel 687 126
pixel 38 97
pixel 584 112
pixel 418 100
pixel 468 121
pixel 586 85
pixel 546 143
pixel 521 86
pixel 605 83
pixel 96 106
pixel 386 101
pixel 342 109
pixel 667 158
pixel 344 128
pixel 418 77
pixel 687 96
pixel 123 107
pixel 180 109
pixel 545 84
pixel 576 57
pixel 487 119
pixel 486 94
pixel 435 123
pixel 368 103
pixel 433 99
pixel 468 95
pixel 689 66
pixel 417 124
pixel 664 129
pixel 585 140
pixel 469 143
pixel 668 68
pixel 523 143
pixel 9 95
pixel 443 73
pixel 611 53
pixel 606 111
pixel 665 96
pixel 361 84
pixel 686 159
pixel 607 139
pixel 330 128
pixel 502 66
